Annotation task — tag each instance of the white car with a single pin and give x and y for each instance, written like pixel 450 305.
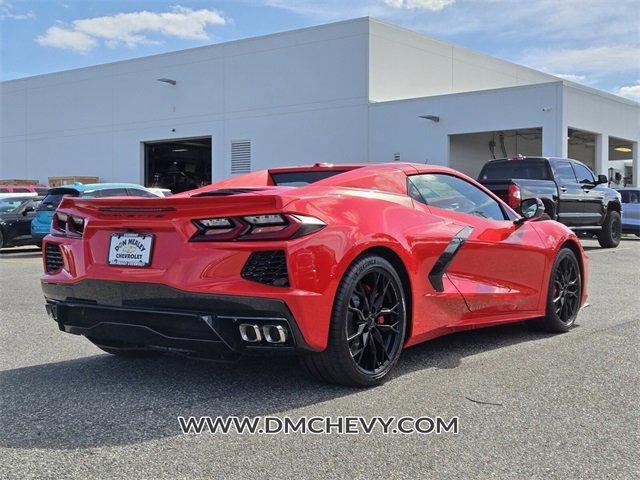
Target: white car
pixel 24 194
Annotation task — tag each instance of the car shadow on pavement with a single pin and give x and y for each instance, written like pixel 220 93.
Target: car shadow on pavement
pixel 34 252
pixel 103 400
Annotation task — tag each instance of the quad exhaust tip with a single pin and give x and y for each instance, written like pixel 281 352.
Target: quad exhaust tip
pixel 252 333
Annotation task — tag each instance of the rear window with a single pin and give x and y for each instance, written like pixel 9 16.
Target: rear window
pixel 508 169
pixel 300 179
pixel 52 200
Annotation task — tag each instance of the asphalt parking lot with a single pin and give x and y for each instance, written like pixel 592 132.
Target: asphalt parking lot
pixel 530 405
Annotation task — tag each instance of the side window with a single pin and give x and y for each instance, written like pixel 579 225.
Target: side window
pixel 21 190
pixel 564 172
pixel 107 192
pixel 583 174
pixel 453 193
pixel 137 192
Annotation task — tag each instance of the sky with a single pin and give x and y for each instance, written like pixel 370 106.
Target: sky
pixel 593 42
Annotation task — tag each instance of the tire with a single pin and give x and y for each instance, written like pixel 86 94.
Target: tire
pixel 364 345
pixel 563 294
pixel 609 236
pixel 1 239
pixel 124 350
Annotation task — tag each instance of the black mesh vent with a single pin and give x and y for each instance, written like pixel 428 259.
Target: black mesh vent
pixel 269 267
pixel 52 257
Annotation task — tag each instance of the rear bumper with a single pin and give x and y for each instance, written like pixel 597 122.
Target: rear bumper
pixel 159 317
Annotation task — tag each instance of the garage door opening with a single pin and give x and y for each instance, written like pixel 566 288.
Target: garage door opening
pixel 470 151
pixel 178 165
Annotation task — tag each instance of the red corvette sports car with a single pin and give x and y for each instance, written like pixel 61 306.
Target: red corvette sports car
pixel 344 265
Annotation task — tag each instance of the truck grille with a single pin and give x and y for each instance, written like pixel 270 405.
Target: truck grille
pixel 268 267
pixel 52 258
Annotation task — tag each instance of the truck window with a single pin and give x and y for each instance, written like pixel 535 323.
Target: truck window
pixel 564 172
pixel 583 174
pixel 507 169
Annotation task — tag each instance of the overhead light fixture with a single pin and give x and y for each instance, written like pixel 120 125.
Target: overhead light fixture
pixel 167 80
pixel 623 149
pixel 180 150
pixel 433 118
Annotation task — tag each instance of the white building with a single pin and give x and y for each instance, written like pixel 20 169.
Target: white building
pixel 353 91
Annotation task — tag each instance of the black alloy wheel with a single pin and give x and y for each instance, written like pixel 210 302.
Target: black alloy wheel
pixel 367 328
pixel 373 320
pixel 564 294
pixel 566 290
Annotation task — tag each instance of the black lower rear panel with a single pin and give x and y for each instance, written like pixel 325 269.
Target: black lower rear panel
pixel 163 318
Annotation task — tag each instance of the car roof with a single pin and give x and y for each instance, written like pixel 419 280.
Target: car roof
pixel 19 198
pixel 89 187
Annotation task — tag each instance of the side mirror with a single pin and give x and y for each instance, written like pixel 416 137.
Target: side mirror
pixel 532 209
pixel 602 179
pixel 28 210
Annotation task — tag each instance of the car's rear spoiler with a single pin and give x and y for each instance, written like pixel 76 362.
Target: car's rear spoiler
pixel 171 207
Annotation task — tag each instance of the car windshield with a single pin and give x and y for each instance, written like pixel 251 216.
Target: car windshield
pixel 53 199
pixel 300 179
pixel 508 169
pixel 10 204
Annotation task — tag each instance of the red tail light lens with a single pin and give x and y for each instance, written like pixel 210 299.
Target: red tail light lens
pixel 255 227
pixel 514 196
pixel 67 225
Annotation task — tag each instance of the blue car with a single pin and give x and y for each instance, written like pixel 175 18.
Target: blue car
pixel 42 221
pixel 630 210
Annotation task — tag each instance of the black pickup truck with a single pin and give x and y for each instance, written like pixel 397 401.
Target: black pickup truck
pixel 571 193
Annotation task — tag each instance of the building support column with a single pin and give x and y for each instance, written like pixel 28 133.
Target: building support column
pixel 602 154
pixel 554 142
pixel 635 166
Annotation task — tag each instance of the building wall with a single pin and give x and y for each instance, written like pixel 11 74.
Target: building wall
pixel 300 96
pixel 396 127
pixel 607 116
pixel 405 64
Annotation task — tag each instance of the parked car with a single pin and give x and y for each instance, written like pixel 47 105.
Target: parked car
pixel 37 189
pixel 18 195
pixel 630 210
pixel 343 265
pixel 569 190
pixel 16 214
pixel 41 224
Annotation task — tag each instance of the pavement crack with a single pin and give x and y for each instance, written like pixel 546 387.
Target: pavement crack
pixel 480 402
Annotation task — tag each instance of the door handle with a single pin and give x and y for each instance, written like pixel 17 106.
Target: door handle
pixel 563 189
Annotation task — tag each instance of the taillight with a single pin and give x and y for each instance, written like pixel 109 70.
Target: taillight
pixel 67 225
pixel 514 196
pixel 255 227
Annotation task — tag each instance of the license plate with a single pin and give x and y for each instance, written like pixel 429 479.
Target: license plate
pixel 130 249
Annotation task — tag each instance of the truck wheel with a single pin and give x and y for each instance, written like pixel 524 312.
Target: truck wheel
pixel 367 326
pixel 609 236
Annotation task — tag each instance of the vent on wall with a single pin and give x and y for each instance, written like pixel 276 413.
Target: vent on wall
pixel 396 157
pixel 240 156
